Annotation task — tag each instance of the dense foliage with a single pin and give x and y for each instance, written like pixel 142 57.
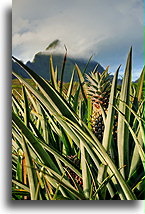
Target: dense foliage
pixel 57 153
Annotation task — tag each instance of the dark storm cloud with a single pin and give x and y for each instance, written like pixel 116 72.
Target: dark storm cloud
pixel 103 28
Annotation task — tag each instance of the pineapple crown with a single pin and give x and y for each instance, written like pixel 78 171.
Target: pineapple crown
pixel 99 86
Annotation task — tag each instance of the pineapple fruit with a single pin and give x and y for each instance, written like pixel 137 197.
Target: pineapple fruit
pixel 99 86
pixel 72 174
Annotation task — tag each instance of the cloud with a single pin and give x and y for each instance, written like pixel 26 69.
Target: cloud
pixel 103 28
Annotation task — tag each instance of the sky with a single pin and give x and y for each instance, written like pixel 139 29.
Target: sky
pixel 105 29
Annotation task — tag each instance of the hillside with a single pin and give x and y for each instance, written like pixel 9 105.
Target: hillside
pixel 41 66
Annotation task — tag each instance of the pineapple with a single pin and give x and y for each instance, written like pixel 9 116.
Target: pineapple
pixel 99 90
pixel 76 161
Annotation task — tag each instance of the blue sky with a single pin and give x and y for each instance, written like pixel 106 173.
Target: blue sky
pixel 103 28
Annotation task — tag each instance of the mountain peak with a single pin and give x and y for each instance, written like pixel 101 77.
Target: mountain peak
pixel 53 45
pixel 41 65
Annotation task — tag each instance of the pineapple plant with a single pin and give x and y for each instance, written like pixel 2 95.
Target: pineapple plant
pixel 99 86
pixel 64 160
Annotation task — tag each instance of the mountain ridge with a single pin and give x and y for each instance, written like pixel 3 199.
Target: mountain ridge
pixel 41 65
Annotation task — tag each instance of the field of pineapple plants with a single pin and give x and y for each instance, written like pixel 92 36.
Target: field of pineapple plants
pixel 85 143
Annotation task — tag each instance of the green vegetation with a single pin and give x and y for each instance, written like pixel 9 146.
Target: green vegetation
pixel 78 141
